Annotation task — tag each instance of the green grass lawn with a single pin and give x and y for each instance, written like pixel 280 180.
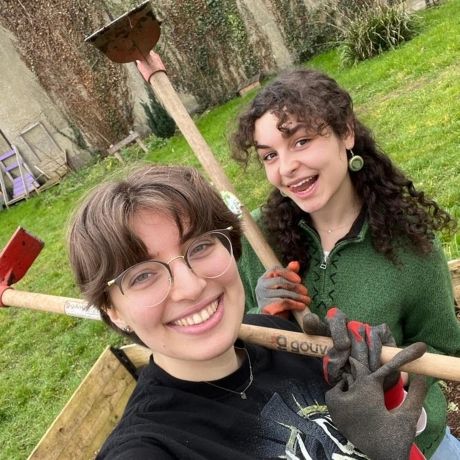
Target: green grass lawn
pixel 409 96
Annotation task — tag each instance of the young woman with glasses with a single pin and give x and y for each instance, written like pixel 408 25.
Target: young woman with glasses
pixel 361 235
pixel 156 254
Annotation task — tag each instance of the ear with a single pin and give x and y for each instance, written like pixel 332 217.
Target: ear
pixel 116 318
pixel 349 138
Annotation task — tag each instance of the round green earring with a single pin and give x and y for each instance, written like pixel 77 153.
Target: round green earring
pixel 356 162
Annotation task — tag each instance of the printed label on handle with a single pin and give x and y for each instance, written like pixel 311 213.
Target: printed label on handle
pixel 80 310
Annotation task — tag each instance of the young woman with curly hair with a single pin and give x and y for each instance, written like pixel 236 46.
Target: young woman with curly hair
pixel 363 234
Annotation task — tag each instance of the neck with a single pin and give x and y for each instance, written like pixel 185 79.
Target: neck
pixel 196 371
pixel 340 212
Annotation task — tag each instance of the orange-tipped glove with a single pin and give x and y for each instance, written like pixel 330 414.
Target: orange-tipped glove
pixel 280 290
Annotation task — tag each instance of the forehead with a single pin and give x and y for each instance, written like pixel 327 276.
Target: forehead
pixel 266 128
pixel 156 230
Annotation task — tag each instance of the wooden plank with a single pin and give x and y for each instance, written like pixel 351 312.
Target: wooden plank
pixel 91 413
pixel 123 143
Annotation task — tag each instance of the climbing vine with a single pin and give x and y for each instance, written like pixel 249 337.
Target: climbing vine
pixel 207 48
pixel 306 30
pixel 86 85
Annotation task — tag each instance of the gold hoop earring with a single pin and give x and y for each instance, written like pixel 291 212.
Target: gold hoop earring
pixel 356 162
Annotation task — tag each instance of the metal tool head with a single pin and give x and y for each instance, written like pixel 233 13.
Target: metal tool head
pixel 130 37
pixel 18 255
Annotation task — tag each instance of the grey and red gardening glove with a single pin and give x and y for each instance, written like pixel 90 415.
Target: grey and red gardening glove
pixel 367 402
pixel 280 291
pixel 351 338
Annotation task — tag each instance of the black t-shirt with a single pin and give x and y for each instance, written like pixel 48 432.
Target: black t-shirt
pixel 284 415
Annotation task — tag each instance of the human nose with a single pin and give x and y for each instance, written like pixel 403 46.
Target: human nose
pixel 287 163
pixel 186 284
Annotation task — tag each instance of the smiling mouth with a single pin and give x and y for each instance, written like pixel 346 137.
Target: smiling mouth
pixel 303 185
pixel 198 317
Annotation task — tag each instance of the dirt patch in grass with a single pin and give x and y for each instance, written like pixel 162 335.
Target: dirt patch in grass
pixel 452 392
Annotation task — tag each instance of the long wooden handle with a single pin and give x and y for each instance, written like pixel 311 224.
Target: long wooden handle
pixel 439 366
pixel 430 364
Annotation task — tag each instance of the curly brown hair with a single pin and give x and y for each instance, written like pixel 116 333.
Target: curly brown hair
pixel 394 208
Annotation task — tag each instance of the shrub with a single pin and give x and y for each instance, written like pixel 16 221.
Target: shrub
pixel 374 28
pixel 159 121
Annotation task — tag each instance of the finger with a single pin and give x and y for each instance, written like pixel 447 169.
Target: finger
pixel 412 352
pixel 278 283
pixel 415 395
pixel 359 347
pixel 294 266
pixel 281 294
pixel 288 275
pixel 358 369
pixel 300 289
pixel 311 324
pixel 377 336
pixel 337 322
pixel 283 305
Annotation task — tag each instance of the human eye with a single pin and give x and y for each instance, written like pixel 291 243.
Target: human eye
pixel 202 247
pixel 302 142
pixel 143 276
pixel 267 156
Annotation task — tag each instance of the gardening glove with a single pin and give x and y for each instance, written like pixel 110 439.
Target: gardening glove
pixel 357 407
pixel 280 290
pixel 351 338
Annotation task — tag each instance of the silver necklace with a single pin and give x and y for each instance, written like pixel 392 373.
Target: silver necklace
pixel 333 229
pixel 330 230
pixel 251 378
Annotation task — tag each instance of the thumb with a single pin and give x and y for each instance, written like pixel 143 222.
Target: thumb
pixel 411 353
pixel 294 266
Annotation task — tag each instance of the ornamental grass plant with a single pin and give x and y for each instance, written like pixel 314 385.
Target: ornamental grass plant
pixel 372 28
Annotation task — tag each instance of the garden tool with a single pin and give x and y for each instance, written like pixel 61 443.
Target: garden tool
pixel 17 256
pixel 432 365
pixel 131 38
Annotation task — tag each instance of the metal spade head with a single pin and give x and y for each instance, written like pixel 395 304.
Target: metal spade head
pixel 18 255
pixel 130 37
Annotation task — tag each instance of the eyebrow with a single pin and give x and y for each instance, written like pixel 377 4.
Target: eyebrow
pixel 260 146
pixel 285 131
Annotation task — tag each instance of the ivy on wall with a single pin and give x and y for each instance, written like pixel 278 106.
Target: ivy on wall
pixel 306 30
pixel 207 49
pixel 87 86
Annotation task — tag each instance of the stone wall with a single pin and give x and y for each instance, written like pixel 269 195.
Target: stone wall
pixel 59 95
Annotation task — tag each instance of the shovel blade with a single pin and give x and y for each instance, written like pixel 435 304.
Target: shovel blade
pixel 18 255
pixel 130 37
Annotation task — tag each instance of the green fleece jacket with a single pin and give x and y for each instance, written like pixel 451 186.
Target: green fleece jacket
pixel 415 299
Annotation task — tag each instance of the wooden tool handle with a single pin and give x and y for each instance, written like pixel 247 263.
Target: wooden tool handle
pixel 430 364
pixel 439 366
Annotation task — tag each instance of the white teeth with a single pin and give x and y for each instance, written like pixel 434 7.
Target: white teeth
pixel 299 184
pixel 199 317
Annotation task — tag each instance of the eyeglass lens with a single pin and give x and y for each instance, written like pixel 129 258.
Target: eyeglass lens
pixel 148 283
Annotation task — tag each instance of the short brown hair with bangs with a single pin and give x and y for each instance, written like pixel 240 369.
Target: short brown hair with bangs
pixel 100 238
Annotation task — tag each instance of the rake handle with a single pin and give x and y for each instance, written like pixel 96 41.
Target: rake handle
pixel 432 365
